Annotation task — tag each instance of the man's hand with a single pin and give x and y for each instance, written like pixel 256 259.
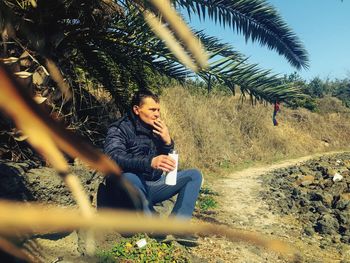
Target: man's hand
pixel 164 163
pixel 162 130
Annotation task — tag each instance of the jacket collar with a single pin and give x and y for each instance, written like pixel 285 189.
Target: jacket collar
pixel 139 125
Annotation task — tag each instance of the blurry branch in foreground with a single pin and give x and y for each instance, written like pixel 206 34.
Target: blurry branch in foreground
pixel 46 135
pixel 58 78
pixel 13 250
pixel 173 30
pixel 163 32
pixel 49 138
pixel 15 216
pixel 43 133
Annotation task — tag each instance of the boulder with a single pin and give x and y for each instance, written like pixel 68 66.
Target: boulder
pixel 327 224
pixel 26 182
pixel 305 180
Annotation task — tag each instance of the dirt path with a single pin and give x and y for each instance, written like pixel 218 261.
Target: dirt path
pixel 240 206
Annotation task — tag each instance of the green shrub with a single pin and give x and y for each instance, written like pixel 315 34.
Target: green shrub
pixel 206 200
pixel 127 251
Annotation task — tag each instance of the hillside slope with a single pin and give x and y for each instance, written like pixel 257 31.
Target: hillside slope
pixel 215 131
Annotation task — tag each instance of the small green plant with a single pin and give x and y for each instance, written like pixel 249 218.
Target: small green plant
pixel 206 200
pixel 127 251
pixel 225 164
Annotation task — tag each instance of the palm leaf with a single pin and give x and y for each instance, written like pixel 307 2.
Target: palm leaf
pixel 256 20
pixel 250 79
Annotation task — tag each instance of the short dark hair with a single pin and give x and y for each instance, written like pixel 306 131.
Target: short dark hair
pixel 140 95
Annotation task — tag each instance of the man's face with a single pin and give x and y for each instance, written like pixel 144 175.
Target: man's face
pixel 148 111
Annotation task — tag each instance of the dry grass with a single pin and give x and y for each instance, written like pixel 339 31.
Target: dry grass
pixel 220 131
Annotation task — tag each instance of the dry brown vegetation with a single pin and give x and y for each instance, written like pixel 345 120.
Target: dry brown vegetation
pixel 222 131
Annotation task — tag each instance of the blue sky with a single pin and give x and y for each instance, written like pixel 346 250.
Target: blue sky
pixel 322 25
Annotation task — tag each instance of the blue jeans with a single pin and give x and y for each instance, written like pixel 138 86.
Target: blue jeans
pixel 187 187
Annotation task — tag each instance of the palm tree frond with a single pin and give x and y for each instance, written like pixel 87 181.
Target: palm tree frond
pixel 257 20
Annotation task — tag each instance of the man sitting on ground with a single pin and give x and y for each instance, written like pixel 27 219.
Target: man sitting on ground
pixel 140 142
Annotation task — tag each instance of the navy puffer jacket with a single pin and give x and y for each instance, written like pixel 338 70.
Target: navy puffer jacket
pixel 132 144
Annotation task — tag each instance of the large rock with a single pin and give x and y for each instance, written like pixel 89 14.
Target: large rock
pixel 27 182
pixel 12 183
pixel 327 224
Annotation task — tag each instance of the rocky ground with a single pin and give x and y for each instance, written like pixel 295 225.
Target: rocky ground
pixel 317 193
pixel 279 201
pixel 304 202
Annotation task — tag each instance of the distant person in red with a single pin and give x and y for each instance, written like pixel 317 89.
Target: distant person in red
pixel 275 110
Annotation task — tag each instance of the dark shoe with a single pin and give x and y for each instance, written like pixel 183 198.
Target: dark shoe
pixel 157 237
pixel 185 240
pixel 127 235
pixel 167 239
